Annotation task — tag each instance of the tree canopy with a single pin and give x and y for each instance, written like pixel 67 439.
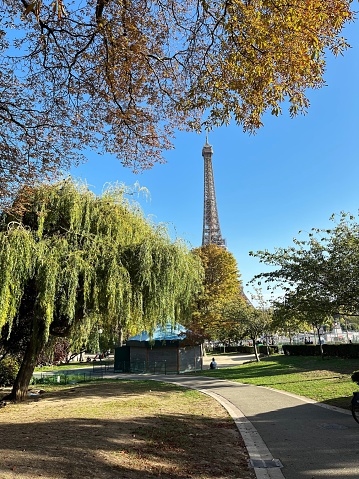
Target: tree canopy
pixel 319 275
pixel 74 262
pixel 121 76
pixel 221 284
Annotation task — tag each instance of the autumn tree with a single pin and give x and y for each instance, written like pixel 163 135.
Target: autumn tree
pixel 75 262
pixel 121 76
pixel 221 284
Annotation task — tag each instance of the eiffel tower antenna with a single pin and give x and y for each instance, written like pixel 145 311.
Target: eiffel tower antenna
pixel 211 229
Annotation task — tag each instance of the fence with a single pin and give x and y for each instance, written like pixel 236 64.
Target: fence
pixel 98 370
pixel 140 366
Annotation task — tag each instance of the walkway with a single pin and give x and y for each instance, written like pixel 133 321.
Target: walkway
pixel 287 437
pixel 309 441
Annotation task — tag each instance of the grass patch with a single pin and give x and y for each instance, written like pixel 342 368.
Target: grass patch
pixel 325 380
pixel 74 365
pixel 120 429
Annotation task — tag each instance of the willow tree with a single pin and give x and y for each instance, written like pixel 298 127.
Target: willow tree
pixel 121 76
pixel 74 262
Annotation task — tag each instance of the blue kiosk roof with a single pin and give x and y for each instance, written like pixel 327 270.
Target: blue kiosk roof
pixel 162 333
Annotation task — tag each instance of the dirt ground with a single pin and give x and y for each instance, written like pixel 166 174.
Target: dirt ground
pixel 120 429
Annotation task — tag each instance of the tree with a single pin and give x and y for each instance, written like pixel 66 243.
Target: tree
pixel 75 262
pixel 293 315
pixel 231 329
pixel 252 322
pixel 286 321
pixel 319 276
pixel 122 76
pixel 221 284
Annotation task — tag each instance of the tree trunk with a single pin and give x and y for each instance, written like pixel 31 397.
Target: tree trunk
pixel 255 350
pixel 23 378
pixel 320 341
pixel 120 336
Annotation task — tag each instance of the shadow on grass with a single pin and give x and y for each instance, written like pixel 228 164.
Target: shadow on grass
pixel 280 365
pixel 128 439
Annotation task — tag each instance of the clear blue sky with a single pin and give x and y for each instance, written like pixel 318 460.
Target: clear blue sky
pixel 292 175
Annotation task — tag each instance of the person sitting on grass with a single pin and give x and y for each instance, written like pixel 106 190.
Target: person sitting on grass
pixel 213 364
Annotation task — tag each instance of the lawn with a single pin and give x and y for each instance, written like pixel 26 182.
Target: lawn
pixel 111 429
pixel 135 429
pixel 325 380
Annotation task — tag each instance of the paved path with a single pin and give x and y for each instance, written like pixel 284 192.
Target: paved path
pixel 287 437
pixel 308 440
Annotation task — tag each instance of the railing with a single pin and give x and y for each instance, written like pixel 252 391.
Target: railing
pixel 140 366
pixel 101 367
pixel 63 378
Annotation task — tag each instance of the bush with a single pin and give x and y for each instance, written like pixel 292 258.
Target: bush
pixel 248 349
pixel 267 350
pixel 329 350
pixel 355 377
pixel 301 349
pixel 342 350
pixel 9 368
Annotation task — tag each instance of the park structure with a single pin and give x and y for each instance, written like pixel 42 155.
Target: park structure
pixel 169 349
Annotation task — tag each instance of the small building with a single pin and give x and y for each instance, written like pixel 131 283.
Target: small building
pixel 169 350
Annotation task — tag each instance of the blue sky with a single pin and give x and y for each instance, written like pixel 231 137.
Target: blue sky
pixel 291 176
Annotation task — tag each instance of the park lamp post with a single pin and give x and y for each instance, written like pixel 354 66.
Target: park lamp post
pixel 100 331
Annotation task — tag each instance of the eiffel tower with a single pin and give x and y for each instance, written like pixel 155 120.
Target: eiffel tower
pixel 211 229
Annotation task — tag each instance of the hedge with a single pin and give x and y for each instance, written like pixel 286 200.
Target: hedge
pixel 248 349
pixel 329 350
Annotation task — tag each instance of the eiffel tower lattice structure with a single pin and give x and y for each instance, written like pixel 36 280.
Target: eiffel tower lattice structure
pixel 211 229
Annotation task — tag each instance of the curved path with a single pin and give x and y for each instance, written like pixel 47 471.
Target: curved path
pixel 287 436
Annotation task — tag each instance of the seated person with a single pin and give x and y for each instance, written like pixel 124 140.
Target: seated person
pixel 213 364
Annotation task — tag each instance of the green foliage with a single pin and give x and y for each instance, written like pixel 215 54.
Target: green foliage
pixel 8 370
pixel 341 350
pixel 244 349
pixel 92 257
pixel 286 321
pixel 329 350
pixel 319 275
pixel 14 268
pixel 76 262
pixel 253 322
pixel 301 350
pixel 325 380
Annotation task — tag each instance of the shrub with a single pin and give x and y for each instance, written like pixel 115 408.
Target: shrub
pixel 8 370
pixel 301 349
pixel 342 350
pixel 267 350
pixel 329 350
pixel 355 377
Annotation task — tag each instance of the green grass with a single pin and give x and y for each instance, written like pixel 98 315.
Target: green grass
pixel 324 380
pixel 73 365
